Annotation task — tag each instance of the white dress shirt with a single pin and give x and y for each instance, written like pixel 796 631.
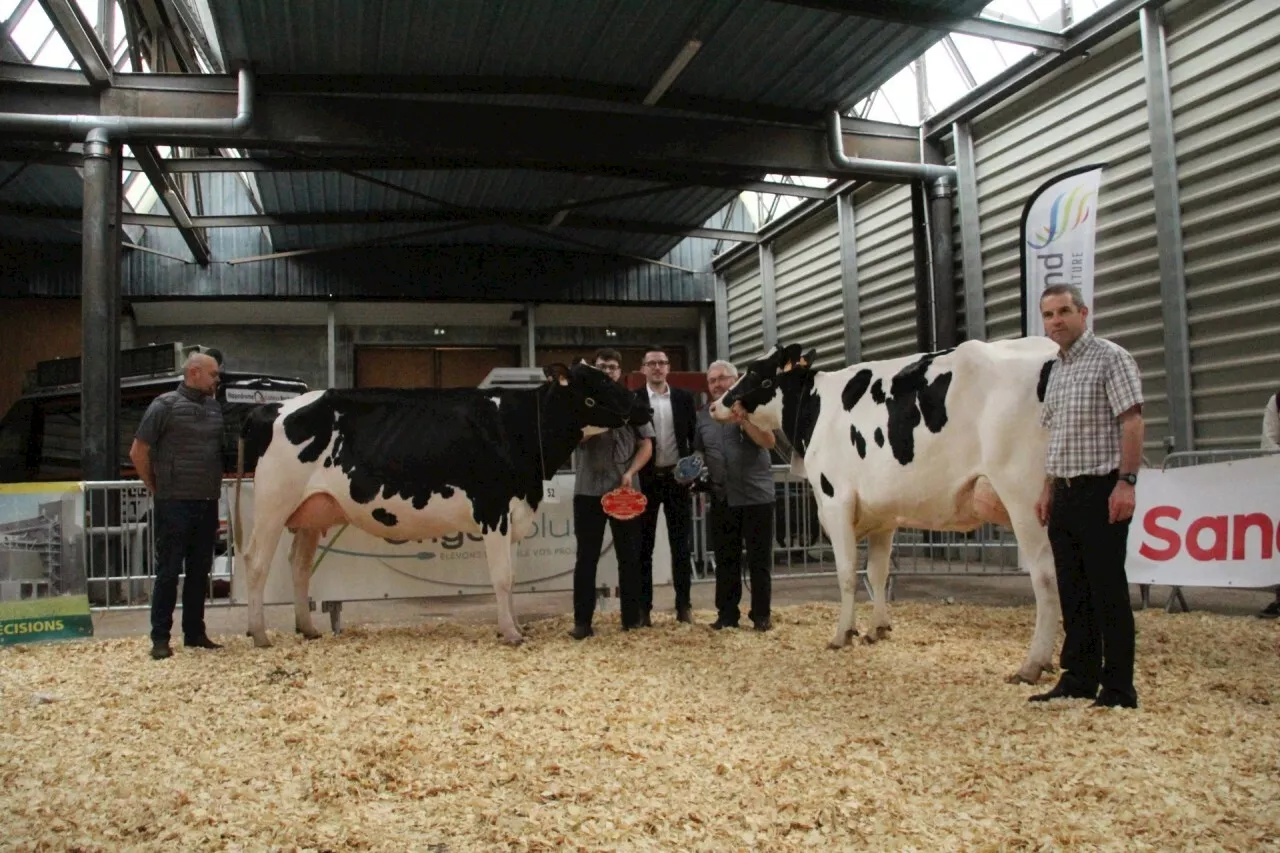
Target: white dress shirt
pixel 665 450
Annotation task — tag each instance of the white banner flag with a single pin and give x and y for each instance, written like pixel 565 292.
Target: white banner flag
pixel 1207 525
pixel 1058 226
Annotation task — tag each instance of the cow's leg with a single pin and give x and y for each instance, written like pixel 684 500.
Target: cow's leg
pixel 837 520
pixel 1034 542
pixel 300 557
pixel 879 547
pixel 497 548
pixel 257 561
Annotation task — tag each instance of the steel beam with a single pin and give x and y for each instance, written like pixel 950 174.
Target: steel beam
pixel 99 310
pixel 1018 77
pixel 975 306
pixel 768 296
pixel 382 217
pixel 920 254
pixel 943 263
pixel 1173 280
pixel 939 19
pixel 721 292
pixel 849 278
pixel 171 197
pixel 80 39
pixel 476 135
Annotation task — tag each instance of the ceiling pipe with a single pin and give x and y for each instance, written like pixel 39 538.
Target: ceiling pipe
pixel 880 168
pixel 121 127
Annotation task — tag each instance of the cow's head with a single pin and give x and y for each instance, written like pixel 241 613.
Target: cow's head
pixel 758 392
pixel 598 402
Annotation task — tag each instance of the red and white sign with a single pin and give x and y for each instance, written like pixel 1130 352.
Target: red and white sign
pixel 1207 525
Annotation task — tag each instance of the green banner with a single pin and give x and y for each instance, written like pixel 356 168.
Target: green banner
pixel 38 619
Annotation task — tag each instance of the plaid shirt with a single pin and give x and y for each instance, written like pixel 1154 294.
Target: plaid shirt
pixel 1090 385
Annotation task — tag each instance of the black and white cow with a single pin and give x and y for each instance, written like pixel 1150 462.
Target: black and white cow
pixel 941 441
pixel 416 464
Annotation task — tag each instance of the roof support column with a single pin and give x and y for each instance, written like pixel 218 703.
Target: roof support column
pixel 1173 280
pixel 924 288
pixel 332 338
pixel 849 278
pixel 975 307
pixel 768 296
pixel 530 353
pixel 721 289
pixel 100 311
pixel 944 269
pixel 704 360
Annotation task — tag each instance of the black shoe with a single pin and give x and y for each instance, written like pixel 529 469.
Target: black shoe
pixel 1271 611
pixel 581 632
pixel 201 643
pixel 647 621
pixel 1110 698
pixel 764 625
pixel 720 625
pixel 684 614
pixel 1066 688
pixel 160 651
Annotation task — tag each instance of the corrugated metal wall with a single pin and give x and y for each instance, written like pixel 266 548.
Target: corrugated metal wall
pixel 886 271
pixel 1095 112
pixel 807 277
pixel 746 318
pixel 1225 79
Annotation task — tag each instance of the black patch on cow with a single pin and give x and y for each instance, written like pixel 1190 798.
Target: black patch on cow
pixel 877 392
pixel 910 398
pixel 312 425
pixel 879 437
pixel 256 432
pixel 858 441
pixel 1043 384
pixel 382 516
pixel 827 488
pixel 328 462
pixel 854 389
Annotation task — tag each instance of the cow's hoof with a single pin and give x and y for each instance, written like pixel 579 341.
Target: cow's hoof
pixel 262 644
pixel 1027 676
pixel 311 635
pixel 871 638
pixel 840 642
pixel 513 641
pixel 882 633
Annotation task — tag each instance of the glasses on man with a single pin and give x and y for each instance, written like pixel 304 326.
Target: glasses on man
pixel 656 363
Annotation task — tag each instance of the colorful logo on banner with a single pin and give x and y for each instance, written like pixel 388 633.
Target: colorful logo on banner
pixel 1059 225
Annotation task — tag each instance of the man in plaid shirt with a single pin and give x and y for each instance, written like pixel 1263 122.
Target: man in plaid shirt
pixel 1093 411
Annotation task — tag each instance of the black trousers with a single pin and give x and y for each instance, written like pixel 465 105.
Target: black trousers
pixel 663 492
pixel 731 528
pixel 185 533
pixel 1089 555
pixel 588 526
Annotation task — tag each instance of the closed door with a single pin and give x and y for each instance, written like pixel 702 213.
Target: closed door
pixel 430 367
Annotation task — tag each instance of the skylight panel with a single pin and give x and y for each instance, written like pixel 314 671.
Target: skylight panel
pixel 30 33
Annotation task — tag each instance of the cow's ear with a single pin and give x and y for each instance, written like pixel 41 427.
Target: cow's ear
pixel 557 372
pixel 788 357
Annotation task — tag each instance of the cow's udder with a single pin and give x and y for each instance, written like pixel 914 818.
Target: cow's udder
pixel 318 512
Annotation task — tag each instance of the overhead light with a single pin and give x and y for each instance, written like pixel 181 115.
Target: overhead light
pixel 437 331
pixel 677 66
pixel 558 218
pixel 610 333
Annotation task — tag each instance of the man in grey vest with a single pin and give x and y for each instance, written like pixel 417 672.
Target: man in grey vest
pixel 177 451
pixel 742 499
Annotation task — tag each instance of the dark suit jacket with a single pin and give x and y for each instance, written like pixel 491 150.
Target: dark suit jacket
pixel 684 415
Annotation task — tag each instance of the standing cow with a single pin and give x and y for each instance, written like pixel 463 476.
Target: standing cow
pixel 416 464
pixel 941 441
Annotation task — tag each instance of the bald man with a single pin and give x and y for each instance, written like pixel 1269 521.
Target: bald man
pixel 178 453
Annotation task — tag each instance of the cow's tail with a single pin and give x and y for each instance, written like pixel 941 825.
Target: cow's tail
pixel 235 530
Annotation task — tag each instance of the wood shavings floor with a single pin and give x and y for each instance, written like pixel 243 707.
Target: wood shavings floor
pixel 676 738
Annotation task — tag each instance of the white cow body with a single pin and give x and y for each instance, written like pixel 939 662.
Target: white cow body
pixel 984 462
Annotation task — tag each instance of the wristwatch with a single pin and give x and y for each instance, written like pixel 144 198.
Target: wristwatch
pixel 1131 479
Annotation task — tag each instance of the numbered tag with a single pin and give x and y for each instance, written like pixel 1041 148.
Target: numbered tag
pixel 550 492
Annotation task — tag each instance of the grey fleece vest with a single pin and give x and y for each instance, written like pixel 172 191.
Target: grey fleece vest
pixel 187 459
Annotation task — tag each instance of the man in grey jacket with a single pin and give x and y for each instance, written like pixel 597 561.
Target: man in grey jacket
pixel 177 451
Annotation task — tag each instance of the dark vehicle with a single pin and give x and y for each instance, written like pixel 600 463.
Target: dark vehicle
pixel 40 434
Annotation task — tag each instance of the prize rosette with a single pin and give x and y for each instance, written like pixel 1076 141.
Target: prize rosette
pixel 623 503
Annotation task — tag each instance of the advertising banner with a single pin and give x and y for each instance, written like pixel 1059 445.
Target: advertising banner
pixel 42 583
pixel 1059 222
pixel 1208 525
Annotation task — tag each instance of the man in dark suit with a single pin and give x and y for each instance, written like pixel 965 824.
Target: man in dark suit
pixel 674 417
